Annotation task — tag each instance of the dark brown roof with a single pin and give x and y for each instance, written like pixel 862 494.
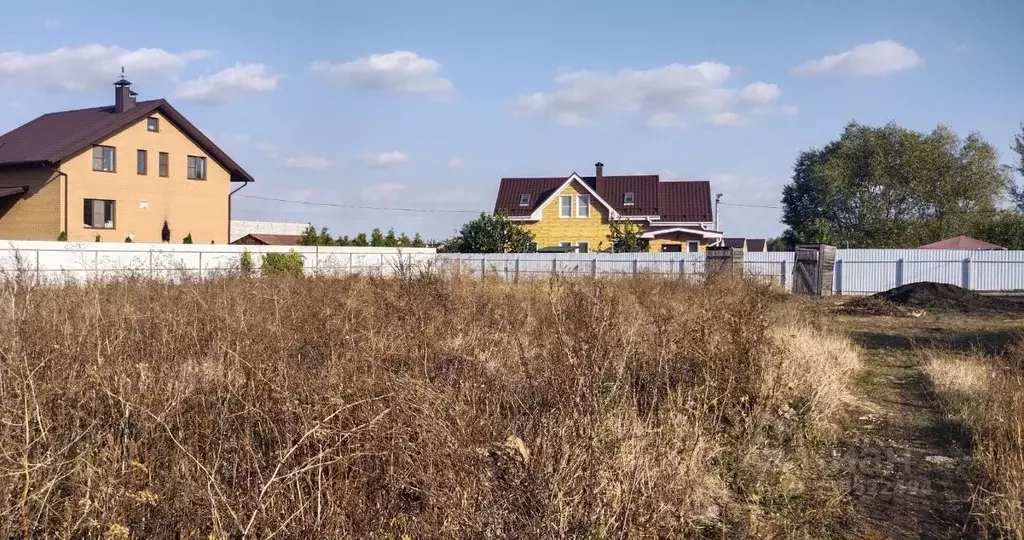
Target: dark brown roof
pixel 672 201
pixel 262 239
pixel 961 242
pixel 756 244
pixel 54 137
pixel 734 242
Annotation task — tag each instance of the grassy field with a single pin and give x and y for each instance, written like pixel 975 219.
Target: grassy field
pixel 419 407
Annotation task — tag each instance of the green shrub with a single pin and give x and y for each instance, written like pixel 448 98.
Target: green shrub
pixel 283 263
pixel 62 237
pixel 128 240
pixel 188 239
pixel 246 264
pixel 97 238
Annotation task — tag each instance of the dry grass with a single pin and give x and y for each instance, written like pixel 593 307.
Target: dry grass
pixel 987 396
pixel 437 408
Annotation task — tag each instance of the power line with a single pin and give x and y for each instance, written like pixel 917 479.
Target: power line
pixel 361 207
pixel 751 205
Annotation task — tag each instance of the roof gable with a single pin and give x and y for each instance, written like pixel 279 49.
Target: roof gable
pixel 688 202
pixel 54 137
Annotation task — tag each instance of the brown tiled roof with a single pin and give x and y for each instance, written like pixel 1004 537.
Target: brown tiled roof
pixel 54 137
pixel 672 201
pixel 756 244
pixel 261 239
pixel 733 242
pixel 961 242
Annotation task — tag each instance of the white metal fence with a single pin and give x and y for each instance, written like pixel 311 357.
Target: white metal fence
pixel 65 261
pixel 857 271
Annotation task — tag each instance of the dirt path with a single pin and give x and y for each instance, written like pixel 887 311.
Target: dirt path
pixel 903 460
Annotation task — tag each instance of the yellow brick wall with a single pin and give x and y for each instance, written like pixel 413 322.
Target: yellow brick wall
pixel 199 207
pixel 551 229
pixel 34 215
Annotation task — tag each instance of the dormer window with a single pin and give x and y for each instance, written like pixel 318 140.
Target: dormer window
pixel 524 199
pixel 627 199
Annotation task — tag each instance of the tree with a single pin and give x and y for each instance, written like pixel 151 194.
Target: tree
pixel 187 239
pixel 891 187
pixel 1004 228
pixel 1016 191
pixel 390 240
pixel 625 237
pixel 343 241
pixel 417 240
pixel 310 237
pixel 491 234
pixel 778 244
pixel 403 241
pixel 360 240
pixel 377 238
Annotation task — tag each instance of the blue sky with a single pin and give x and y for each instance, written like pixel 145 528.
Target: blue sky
pixel 427 104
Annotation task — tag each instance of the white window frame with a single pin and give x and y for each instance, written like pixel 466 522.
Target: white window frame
pixel 561 207
pixel 695 244
pixel 524 199
pixel 578 244
pixel 582 201
pixel 628 198
pixel 565 244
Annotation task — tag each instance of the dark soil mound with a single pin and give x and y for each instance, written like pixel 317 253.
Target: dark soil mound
pixel 939 296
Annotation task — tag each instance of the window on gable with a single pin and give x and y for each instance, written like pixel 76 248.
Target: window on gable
pixel 583 206
pixel 140 162
pixel 98 214
pixel 104 158
pixel 627 199
pixel 524 199
pixel 196 168
pixel 565 206
pixel 153 124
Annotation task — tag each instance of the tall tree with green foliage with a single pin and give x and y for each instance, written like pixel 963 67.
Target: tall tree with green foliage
pixel 892 187
pixel 310 237
pixel 624 237
pixel 1017 191
pixel 360 240
pixel 390 240
pixel 492 234
pixel 377 238
pixel 417 240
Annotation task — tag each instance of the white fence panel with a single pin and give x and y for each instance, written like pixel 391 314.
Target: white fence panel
pixel 867 271
pixel 772 267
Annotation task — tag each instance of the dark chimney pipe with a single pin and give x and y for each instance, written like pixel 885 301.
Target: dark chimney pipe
pixel 124 98
pixel 600 169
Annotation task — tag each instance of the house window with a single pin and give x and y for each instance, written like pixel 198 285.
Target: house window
pixel 196 168
pixel 104 158
pixel 163 164
pixel 582 247
pixel 140 162
pixel 524 199
pixel 583 206
pixel 565 244
pixel 565 206
pixel 153 124
pixel 98 214
pixel 693 246
pixel 627 199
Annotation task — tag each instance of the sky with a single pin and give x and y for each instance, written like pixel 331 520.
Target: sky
pixel 426 105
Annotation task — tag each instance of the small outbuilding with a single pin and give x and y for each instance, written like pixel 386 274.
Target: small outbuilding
pixel 962 242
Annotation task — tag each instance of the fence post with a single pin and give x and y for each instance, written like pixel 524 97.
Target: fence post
pixel 37 267
pixel 316 260
pixel 515 279
pixel 899 272
pixel 593 269
pixel 965 273
pixel 636 266
pixel 96 264
pixel 351 262
pixel 483 267
pixel 151 264
pixel 682 267
pixel 200 266
pixel 554 266
pixel 839 276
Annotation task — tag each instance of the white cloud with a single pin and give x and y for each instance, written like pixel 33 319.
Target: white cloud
pixel 51 23
pixel 665 120
pixel 400 72
pixel 309 163
pixel 664 95
pixel 729 119
pixel 456 164
pixel 387 159
pixel 760 92
pixel 382 191
pixel 228 84
pixel 89 68
pixel 868 59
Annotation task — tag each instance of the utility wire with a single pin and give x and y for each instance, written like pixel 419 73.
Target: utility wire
pixel 750 205
pixel 361 207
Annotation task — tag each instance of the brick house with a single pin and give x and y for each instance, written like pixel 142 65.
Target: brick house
pixel 115 172
pixel 578 211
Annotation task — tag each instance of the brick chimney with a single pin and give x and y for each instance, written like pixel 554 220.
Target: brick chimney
pixel 599 167
pixel 124 98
